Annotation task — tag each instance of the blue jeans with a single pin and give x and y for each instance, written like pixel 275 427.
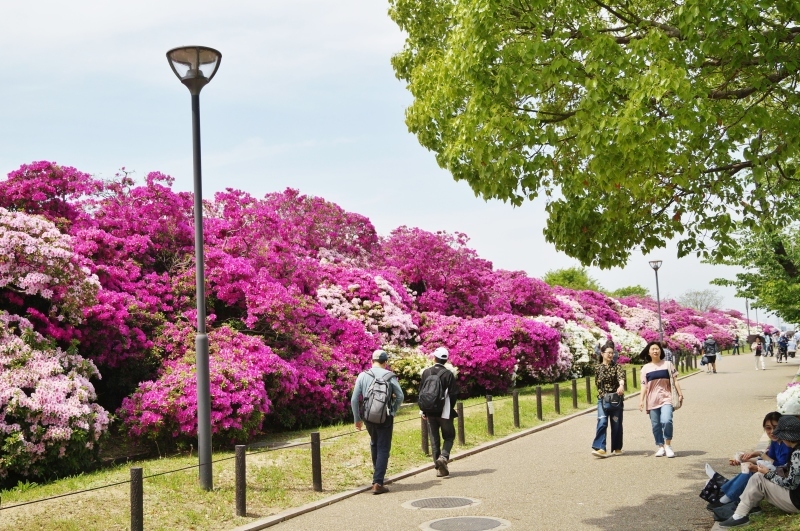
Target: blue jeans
pixel 661 421
pixel 380 444
pixel 603 416
pixel 733 488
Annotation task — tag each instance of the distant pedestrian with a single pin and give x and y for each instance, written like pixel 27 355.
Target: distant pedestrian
pixel 735 345
pixel 377 390
pixel 668 356
pixel 438 392
pixel 791 348
pixel 656 396
pixel 710 349
pixel 610 384
pixel 758 350
pixel 767 345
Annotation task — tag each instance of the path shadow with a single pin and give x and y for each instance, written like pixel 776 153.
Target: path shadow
pixel 468 473
pixel 661 512
pixel 412 487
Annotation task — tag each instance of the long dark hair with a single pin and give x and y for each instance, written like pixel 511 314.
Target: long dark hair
pixel 773 416
pixel 645 355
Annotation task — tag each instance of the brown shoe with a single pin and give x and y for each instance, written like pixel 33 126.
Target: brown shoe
pixel 378 489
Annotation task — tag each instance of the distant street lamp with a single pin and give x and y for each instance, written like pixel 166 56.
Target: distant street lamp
pixel 195 66
pixel 747 309
pixel 656 264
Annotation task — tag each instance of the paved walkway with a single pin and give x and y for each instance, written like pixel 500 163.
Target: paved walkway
pixel 550 481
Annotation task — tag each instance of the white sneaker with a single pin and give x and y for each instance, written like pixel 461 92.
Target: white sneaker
pixel 668 451
pixel 660 452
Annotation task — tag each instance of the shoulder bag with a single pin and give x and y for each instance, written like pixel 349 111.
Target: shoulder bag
pixel 677 402
pixel 612 401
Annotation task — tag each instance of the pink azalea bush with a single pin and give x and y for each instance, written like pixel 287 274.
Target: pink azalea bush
pixel 494 351
pixel 244 374
pixel 49 425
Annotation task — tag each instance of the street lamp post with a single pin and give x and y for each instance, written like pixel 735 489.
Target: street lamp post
pixel 747 309
pixel 656 264
pixel 195 66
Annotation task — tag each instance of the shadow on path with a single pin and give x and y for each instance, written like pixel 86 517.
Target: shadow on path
pixel 650 515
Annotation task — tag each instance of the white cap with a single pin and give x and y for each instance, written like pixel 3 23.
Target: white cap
pixel 441 353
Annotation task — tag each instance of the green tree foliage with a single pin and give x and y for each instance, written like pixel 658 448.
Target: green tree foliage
pixel 640 122
pixel 771 279
pixel 627 291
pixel 572 277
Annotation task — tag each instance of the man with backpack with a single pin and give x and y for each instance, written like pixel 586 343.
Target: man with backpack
pixel 438 392
pixel 377 397
pixel 710 350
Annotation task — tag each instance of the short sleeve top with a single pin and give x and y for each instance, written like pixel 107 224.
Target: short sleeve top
pixel 656 384
pixel 607 378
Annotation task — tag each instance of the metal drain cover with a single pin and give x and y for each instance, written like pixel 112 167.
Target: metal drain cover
pixel 466 523
pixel 443 502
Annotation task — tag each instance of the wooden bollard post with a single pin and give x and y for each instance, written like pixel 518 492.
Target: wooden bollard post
pixel 588 390
pixel 515 404
pixel 489 415
pixel 557 398
pixel 423 433
pixel 539 402
pixel 625 385
pixel 460 409
pixel 316 461
pixel 635 381
pixel 137 500
pixel 574 393
pixel 241 480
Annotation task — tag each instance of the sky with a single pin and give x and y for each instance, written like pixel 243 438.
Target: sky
pixel 305 97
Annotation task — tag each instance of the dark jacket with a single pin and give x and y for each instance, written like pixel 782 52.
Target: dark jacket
pixel 710 347
pixel 448 382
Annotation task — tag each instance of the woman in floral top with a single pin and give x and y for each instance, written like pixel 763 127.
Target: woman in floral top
pixel 609 378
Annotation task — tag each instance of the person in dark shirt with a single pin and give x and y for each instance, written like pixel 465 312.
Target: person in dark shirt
pixel 443 420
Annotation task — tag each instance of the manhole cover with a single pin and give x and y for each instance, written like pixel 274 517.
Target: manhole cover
pixel 444 502
pixel 466 523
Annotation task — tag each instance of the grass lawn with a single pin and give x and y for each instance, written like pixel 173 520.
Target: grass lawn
pixel 276 479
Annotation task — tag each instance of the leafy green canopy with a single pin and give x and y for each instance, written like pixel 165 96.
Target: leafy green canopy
pixel 640 121
pixel 576 278
pixel 771 277
pixel 628 291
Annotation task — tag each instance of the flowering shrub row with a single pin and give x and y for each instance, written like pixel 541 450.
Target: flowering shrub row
pixel 299 293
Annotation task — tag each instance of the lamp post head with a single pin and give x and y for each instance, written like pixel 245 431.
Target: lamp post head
pixel 195 66
pixel 655 264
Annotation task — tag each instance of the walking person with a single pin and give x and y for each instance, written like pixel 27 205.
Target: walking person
pixel 710 349
pixel 758 349
pixel 656 396
pixel 735 345
pixel 791 348
pixel 377 395
pixel 610 383
pixel 438 392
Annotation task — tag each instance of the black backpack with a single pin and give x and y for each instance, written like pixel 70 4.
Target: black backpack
pixel 432 394
pixel 377 399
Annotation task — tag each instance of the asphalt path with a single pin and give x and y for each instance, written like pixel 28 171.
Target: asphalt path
pixel 550 481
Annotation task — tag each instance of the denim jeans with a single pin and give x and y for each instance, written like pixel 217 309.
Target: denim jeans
pixel 380 444
pixel 603 418
pixel 734 487
pixel 661 421
pixel 448 435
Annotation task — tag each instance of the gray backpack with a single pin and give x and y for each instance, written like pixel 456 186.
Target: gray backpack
pixel 375 406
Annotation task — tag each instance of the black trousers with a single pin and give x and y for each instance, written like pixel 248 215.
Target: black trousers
pixel 435 424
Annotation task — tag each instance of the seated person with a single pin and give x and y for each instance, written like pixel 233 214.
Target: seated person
pixel 777 455
pixel 782 491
